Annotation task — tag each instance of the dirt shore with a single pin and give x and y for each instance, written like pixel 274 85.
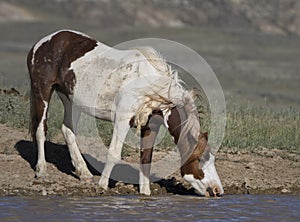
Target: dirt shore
pixel 265 171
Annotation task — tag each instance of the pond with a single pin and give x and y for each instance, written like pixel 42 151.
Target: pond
pixel 156 208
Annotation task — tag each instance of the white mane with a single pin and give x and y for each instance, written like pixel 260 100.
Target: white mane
pixel 166 94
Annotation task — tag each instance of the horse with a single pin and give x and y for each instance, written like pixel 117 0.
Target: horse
pixel 133 88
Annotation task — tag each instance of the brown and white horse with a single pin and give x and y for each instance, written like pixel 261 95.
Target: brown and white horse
pixel 131 88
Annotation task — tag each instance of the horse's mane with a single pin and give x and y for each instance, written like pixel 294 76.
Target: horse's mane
pixel 156 60
pixel 166 94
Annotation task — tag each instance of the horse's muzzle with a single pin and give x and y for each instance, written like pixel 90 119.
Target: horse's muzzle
pixel 213 192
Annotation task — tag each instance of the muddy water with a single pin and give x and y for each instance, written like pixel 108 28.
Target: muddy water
pixel 159 208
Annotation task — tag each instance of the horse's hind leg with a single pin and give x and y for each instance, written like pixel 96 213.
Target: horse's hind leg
pixel 41 167
pixel 39 109
pixel 69 127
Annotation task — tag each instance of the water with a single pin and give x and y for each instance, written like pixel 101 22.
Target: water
pixel 162 208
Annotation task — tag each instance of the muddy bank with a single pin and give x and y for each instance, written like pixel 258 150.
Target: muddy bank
pixel 263 172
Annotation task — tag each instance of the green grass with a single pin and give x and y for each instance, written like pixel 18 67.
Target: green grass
pixel 253 127
pixel 248 127
pixel 14 111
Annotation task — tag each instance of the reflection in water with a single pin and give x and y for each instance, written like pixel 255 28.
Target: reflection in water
pixel 159 208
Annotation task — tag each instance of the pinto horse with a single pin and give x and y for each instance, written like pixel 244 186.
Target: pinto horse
pixel 131 88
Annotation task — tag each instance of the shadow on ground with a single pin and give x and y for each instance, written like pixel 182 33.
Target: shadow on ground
pixel 59 156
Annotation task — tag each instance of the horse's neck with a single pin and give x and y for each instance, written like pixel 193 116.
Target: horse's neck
pixel 175 123
pixel 182 136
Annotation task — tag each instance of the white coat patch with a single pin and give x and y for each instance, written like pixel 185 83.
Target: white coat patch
pixel 198 185
pixel 40 130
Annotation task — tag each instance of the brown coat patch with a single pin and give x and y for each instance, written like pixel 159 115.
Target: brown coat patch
pixel 49 69
pixel 191 166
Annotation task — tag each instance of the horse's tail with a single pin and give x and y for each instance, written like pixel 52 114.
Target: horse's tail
pixel 33 123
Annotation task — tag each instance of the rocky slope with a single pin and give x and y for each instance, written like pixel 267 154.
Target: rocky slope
pixel 269 16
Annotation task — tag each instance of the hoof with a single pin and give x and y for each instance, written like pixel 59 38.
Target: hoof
pixel 41 170
pixel 103 183
pixel 89 180
pixel 145 190
pixel 83 174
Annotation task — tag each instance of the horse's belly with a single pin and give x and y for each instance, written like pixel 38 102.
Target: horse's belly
pixel 96 98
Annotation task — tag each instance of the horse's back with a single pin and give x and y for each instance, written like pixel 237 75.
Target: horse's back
pixel 90 73
pixel 100 76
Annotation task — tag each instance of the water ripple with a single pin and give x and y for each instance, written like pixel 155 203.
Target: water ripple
pixel 161 208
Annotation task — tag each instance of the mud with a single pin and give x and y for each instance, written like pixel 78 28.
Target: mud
pixel 266 171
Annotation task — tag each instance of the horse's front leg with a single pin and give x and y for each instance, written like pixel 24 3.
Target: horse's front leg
pixel 145 161
pixel 114 152
pixel 148 136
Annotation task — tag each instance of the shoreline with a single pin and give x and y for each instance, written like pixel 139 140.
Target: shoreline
pixel 18 180
pixel 265 171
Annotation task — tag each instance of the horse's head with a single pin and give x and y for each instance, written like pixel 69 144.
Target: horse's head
pixel 199 170
pixel 198 162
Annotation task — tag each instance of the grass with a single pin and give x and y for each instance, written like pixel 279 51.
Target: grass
pixel 253 127
pixel 248 127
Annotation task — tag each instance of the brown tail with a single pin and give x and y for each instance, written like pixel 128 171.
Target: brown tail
pixel 32 120
pixel 33 123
